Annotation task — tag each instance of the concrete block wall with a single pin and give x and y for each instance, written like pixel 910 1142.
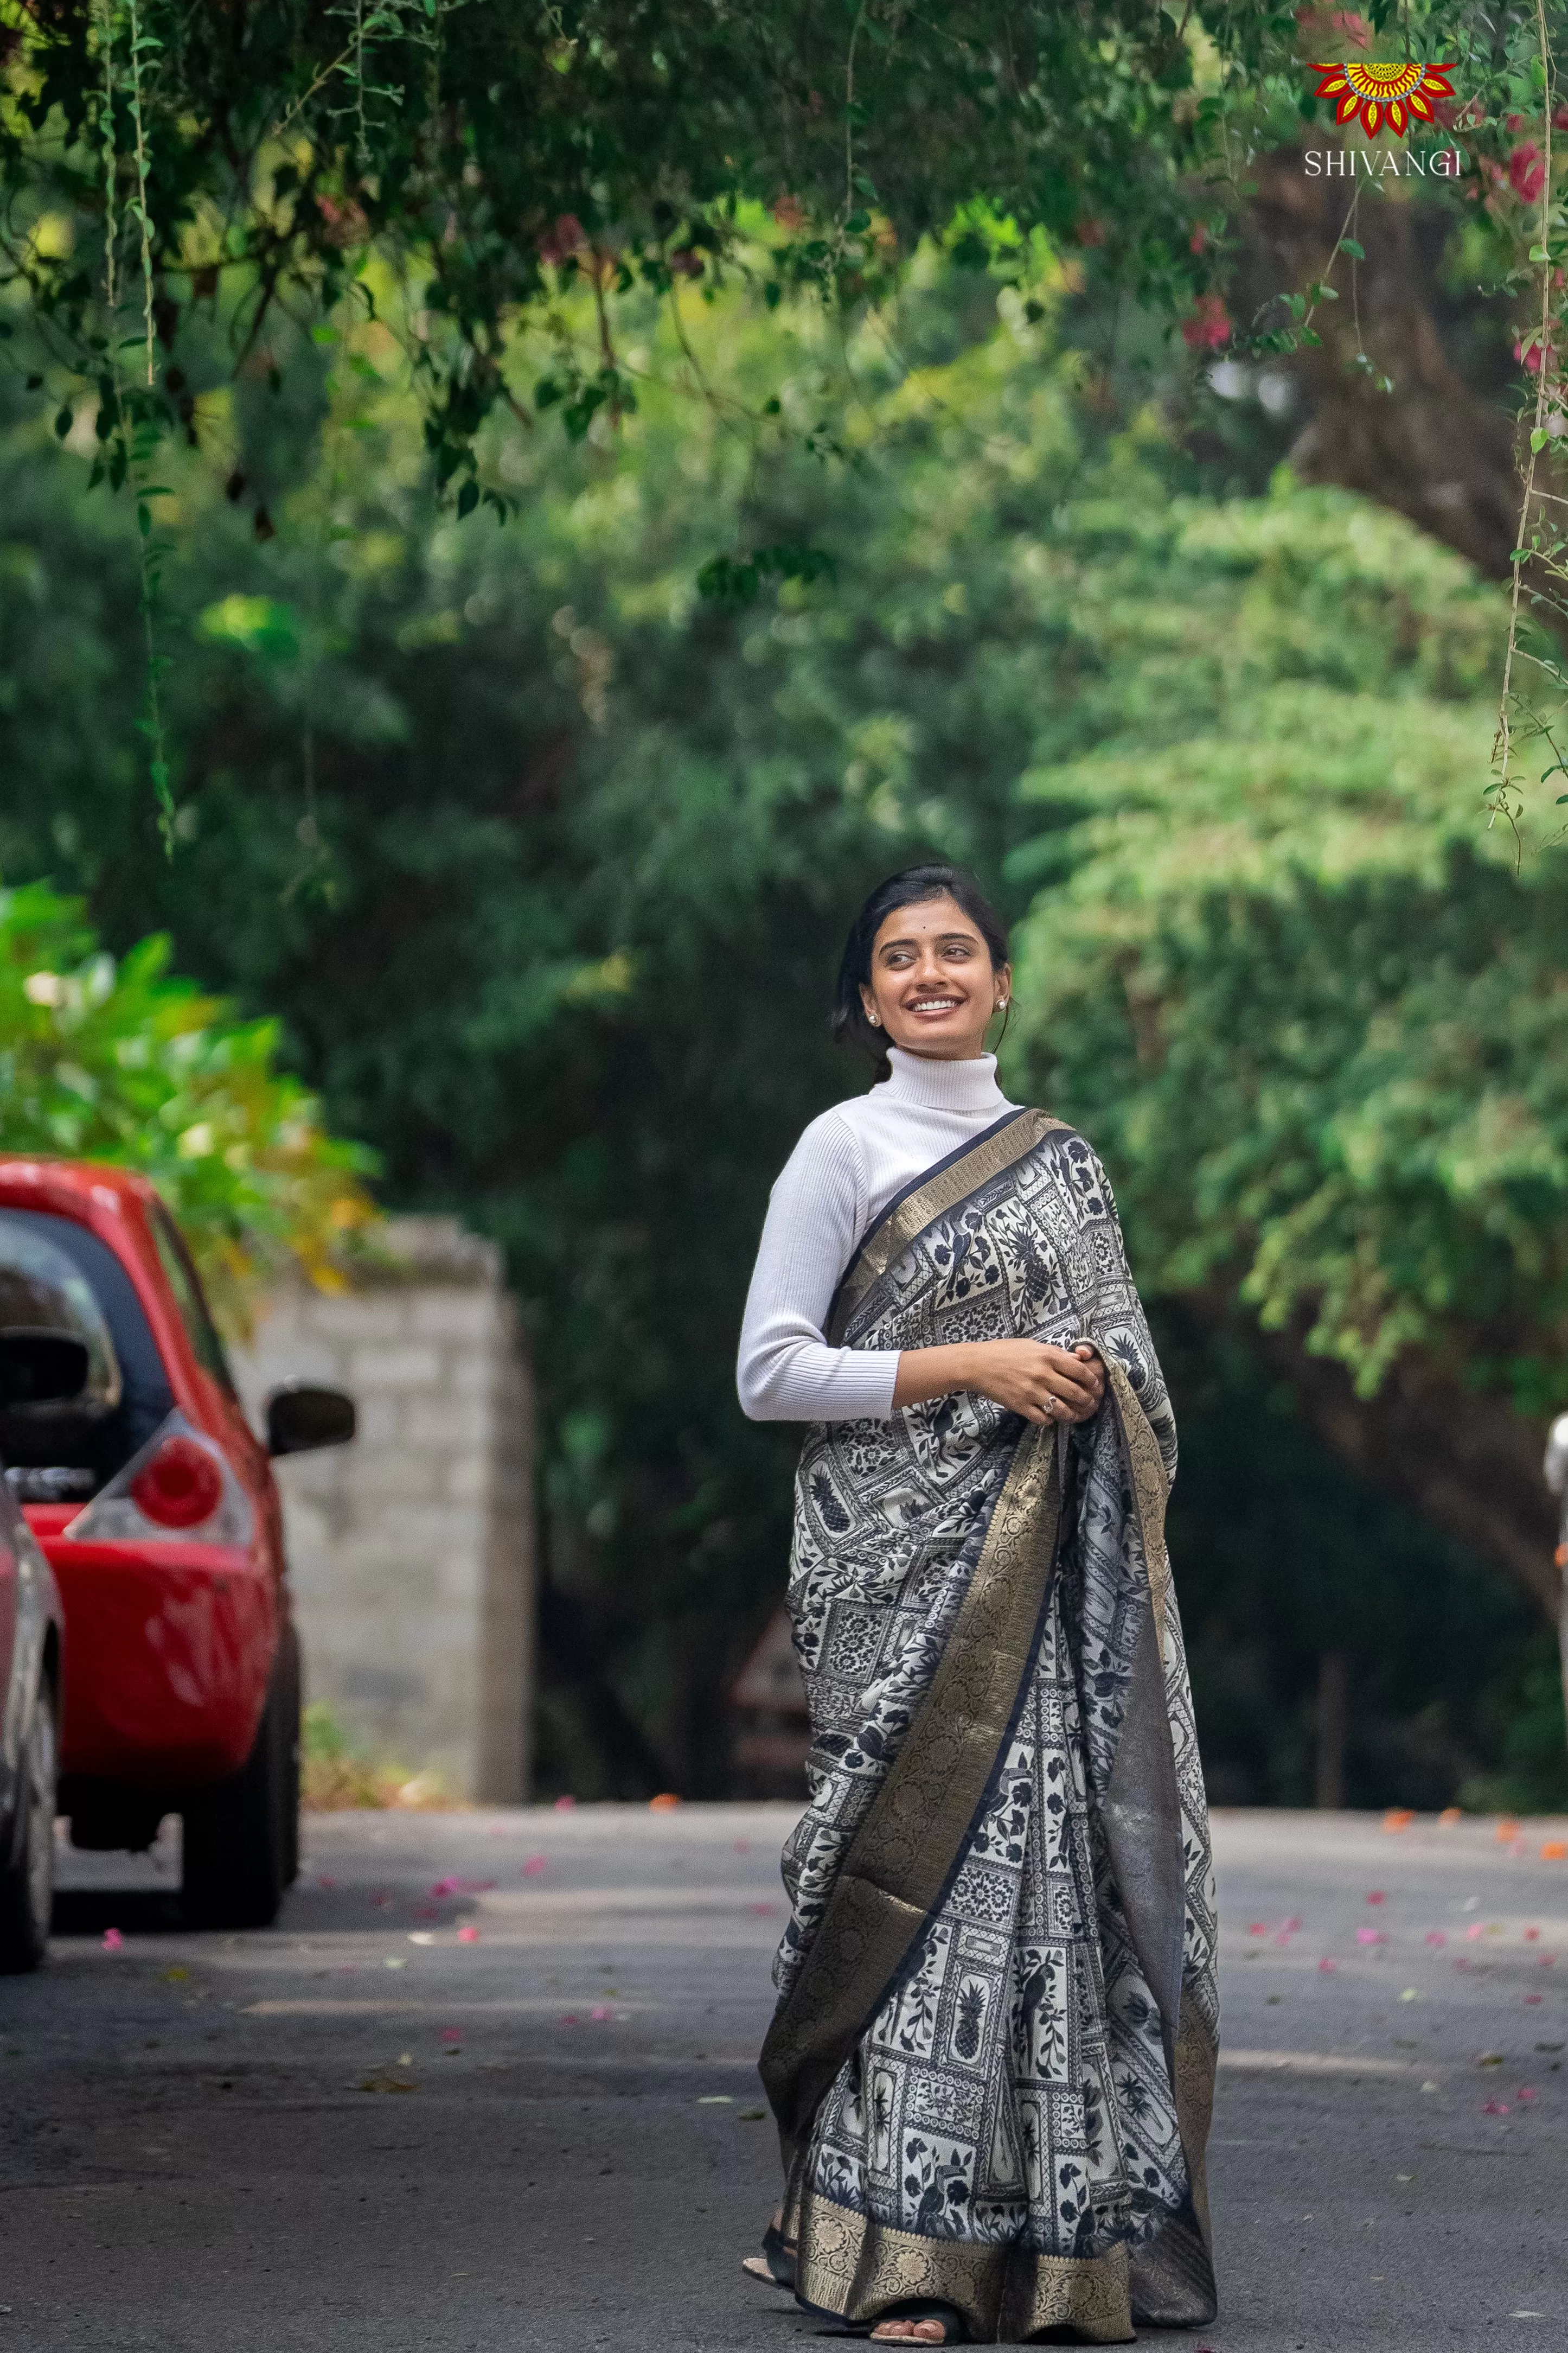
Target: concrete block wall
pixel 412 1551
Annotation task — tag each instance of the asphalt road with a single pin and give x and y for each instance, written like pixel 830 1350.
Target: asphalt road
pixel 372 2127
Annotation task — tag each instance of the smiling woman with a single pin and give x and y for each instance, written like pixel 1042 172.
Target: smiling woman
pixel 994 2052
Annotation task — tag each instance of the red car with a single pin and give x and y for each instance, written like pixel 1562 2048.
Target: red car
pixel 124 1442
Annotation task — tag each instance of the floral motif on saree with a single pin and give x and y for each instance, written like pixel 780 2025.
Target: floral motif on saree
pixel 993 2059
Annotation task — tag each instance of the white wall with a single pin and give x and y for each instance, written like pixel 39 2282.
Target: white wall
pixel 412 1551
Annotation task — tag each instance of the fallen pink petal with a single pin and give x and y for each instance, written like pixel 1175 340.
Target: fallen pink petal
pixel 571 2018
pixel 1328 1967
pixel 1528 2091
pixel 1533 2000
pixel 602 2014
pixel 1497 2109
pixel 1259 1928
pixel 326 1883
pixel 112 1940
pixel 533 1866
pixel 467 1935
pixel 1370 1936
pixel 1476 1928
pixel 1378 1896
pixel 451 2034
pixel 564 1806
pixel 1436 1936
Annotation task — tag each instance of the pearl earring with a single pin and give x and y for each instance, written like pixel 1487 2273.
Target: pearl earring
pixel 874 1020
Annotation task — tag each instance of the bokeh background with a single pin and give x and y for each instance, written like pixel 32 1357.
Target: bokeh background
pixel 539 859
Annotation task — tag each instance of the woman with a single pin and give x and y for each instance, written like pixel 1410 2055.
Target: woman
pixel 993 2057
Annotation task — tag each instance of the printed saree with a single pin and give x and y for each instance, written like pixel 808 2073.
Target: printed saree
pixel 992 2062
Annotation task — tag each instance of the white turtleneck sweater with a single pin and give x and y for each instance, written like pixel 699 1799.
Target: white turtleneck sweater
pixel 841 1175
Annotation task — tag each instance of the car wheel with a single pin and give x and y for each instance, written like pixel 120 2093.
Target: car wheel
pixel 236 1842
pixel 28 1879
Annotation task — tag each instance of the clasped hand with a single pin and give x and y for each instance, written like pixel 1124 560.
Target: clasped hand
pixel 1040 1381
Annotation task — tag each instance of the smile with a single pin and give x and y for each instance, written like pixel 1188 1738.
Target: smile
pixel 936 1004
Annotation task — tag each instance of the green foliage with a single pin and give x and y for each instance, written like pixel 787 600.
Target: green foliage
pixel 544 859
pixel 1306 1003
pixel 118 1060
pixel 164 164
pixel 1282 1555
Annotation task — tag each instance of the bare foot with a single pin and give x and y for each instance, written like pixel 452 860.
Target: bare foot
pixel 910 2332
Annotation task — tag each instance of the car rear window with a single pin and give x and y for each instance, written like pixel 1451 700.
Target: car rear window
pixel 194 1313
pixel 56 1275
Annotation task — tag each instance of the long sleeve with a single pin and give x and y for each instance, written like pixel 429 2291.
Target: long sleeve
pixel 816 1215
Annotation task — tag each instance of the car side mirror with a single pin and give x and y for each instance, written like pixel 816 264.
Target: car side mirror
pixel 41 1367
pixel 300 1417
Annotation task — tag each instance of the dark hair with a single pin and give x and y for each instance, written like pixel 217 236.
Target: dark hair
pixel 915 887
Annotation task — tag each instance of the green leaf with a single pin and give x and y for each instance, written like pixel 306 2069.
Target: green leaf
pixel 1348 245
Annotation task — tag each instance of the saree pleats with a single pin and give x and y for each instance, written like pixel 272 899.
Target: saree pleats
pixel 993 2057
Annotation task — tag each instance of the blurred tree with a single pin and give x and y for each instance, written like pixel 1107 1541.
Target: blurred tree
pixel 1310 1011
pixel 121 1062
pixel 544 859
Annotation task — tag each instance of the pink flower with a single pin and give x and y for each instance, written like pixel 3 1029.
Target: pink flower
pixel 1526 172
pixel 563 237
pixel 1198 241
pixel 467 1935
pixel 1559 120
pixel 112 1940
pixel 1209 325
pixel 533 1866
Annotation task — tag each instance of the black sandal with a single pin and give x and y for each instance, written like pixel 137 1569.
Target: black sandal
pixel 777 2255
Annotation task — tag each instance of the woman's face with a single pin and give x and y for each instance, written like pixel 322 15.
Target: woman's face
pixel 933 987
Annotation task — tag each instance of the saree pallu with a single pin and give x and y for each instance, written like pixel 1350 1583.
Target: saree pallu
pixel 992 2063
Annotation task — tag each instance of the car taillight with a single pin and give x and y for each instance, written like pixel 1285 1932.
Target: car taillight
pixel 179 1484
pixel 180 1487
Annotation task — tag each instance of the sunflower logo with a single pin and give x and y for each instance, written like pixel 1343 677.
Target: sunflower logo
pixel 1394 96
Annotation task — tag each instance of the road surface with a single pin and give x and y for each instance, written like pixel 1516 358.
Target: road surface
pixel 489 2084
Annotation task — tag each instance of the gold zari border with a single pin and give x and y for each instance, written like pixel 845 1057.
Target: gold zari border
pixel 931 1200
pixel 857 2268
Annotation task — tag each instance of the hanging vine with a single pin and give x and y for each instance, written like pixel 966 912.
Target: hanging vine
pixel 494 158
